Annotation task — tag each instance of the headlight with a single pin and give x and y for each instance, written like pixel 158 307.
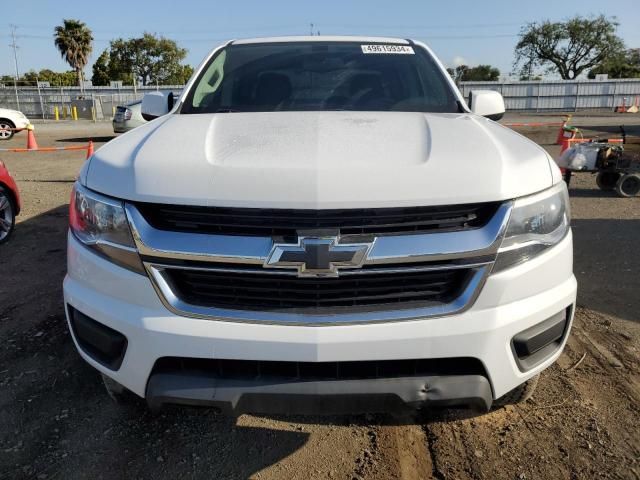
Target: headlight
pixel 537 223
pixel 101 224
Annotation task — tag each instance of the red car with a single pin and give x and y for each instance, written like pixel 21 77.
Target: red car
pixel 9 203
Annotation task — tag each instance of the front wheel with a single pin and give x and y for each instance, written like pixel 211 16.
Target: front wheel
pixel 7 215
pixel 6 129
pixel 520 394
pixel 628 185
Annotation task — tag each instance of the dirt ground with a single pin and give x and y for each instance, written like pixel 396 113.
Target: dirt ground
pixel 57 422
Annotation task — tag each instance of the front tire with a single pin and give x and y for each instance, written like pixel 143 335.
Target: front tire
pixel 6 127
pixel 628 185
pixel 520 394
pixel 7 215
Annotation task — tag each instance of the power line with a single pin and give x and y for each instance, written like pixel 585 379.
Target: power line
pixel 220 39
pixel 465 37
pixel 261 28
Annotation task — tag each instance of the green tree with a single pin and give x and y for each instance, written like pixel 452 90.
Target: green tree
pixel 457 73
pixel 527 77
pixel 624 65
pixel 182 76
pixel 73 39
pixel 100 75
pixel 56 79
pixel 152 59
pixel 569 47
pixel 479 73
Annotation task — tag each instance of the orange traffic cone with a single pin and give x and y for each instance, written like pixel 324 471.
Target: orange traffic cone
pixel 622 108
pixel 31 139
pixel 90 149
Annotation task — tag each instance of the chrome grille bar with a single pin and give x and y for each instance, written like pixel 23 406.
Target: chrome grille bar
pixel 255 250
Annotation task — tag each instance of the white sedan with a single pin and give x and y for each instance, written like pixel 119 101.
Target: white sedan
pixel 10 122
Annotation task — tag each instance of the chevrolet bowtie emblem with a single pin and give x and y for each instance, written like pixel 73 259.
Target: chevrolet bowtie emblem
pixel 313 256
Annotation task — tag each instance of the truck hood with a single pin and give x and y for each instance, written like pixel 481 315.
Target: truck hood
pixel 319 160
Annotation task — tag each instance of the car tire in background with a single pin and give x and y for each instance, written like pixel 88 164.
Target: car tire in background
pixel 5 125
pixel 628 185
pixel 520 394
pixel 607 180
pixel 7 215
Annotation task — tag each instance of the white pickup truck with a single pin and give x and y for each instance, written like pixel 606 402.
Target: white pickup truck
pixel 333 230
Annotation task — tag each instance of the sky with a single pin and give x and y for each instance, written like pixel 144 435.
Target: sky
pixel 461 31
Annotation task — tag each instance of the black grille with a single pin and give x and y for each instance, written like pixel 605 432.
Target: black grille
pixel 251 369
pixel 287 222
pixel 247 291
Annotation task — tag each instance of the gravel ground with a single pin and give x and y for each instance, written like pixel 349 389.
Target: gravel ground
pixel 57 422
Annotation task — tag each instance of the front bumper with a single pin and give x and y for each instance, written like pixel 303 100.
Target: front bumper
pixel 119 127
pixel 510 302
pixel 125 125
pixel 319 397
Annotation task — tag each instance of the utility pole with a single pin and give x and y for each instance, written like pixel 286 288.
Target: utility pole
pixel 40 97
pixel 15 61
pixel 311 29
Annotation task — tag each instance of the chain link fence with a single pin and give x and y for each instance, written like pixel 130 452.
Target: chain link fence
pixel 99 103
pixel 95 103
pixel 561 95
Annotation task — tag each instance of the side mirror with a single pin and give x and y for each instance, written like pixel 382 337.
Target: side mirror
pixel 487 103
pixel 156 104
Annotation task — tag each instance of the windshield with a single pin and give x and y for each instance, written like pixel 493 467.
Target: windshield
pixel 320 76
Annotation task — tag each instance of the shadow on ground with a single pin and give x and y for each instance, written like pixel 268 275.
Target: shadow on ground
pixel 603 246
pixel 591 193
pixel 613 130
pixel 87 139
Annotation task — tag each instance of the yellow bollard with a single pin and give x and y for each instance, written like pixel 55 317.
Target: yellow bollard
pixel 113 111
pixel 93 114
pixel 56 113
pixel 64 112
pixel 74 112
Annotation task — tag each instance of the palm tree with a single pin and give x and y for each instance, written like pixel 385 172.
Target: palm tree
pixel 73 39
